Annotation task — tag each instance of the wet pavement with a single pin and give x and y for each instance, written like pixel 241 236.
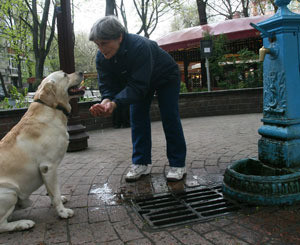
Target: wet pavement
pixel 93 181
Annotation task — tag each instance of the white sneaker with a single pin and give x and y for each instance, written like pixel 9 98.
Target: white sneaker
pixel 136 172
pixel 176 174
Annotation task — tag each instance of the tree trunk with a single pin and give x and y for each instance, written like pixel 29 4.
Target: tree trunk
pixel 245 6
pixel 3 86
pixel 39 71
pixel 20 84
pixel 110 7
pixel 41 41
pixel 274 5
pixel 245 12
pixel 201 5
pixel 123 14
pixel 202 11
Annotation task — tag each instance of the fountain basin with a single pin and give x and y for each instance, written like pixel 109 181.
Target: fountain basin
pixel 249 180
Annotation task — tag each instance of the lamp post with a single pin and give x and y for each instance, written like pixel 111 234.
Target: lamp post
pixel 77 135
pixel 206 52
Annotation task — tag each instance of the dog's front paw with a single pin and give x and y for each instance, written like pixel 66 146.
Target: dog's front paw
pixel 19 225
pixel 65 213
pixel 23 224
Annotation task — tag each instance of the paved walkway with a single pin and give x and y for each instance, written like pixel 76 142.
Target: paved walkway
pixel 93 181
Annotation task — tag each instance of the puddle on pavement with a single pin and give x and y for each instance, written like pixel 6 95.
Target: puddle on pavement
pixel 106 194
pixel 145 187
pixel 177 186
pixel 156 183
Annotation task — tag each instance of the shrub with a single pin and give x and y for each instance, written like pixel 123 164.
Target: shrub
pixel 17 99
pixel 183 88
pixel 229 71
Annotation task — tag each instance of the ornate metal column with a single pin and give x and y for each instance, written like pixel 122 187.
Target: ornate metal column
pixel 78 137
pixel 280 142
pixel 274 178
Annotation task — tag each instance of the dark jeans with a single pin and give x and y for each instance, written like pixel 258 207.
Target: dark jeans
pixel 168 95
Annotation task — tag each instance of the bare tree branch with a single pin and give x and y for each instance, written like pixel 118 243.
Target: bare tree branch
pixel 123 13
pixel 227 8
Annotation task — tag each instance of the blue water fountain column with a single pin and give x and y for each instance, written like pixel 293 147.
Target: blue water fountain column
pixel 279 145
pixel 274 178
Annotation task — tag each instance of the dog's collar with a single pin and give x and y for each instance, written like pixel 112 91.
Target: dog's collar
pixel 58 107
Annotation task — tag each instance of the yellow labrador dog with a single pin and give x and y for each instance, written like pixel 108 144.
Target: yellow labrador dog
pixel 31 152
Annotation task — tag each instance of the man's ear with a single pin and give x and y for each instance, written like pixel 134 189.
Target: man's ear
pixel 47 94
pixel 121 38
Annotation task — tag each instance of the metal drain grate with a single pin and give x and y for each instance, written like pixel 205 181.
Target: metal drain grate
pixel 165 210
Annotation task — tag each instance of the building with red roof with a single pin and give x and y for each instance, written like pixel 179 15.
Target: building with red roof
pixel 184 45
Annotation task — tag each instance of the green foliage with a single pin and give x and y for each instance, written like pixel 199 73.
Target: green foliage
pixel 13 15
pixel 4 104
pixel 17 99
pixel 84 99
pixel 243 71
pixel 91 83
pixel 52 60
pixel 186 16
pixel 218 56
pixel 12 28
pixel 85 53
pixel 183 88
pixel 199 89
pixel 233 71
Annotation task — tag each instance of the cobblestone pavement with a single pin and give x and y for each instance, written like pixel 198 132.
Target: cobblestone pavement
pixel 93 181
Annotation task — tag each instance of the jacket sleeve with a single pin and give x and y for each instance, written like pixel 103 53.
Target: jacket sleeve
pixel 104 80
pixel 138 82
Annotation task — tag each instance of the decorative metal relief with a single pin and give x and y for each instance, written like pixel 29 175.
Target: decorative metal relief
pixel 275 93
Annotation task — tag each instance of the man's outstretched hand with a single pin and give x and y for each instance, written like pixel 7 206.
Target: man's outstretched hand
pixel 104 109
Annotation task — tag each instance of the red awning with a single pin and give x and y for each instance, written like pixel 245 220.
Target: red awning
pixel 234 29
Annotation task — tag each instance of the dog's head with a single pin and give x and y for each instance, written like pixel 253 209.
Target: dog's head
pixel 58 88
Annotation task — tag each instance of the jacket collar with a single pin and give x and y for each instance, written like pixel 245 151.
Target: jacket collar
pixel 122 49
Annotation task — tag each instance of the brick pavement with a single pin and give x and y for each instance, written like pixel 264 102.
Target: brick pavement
pixel 93 181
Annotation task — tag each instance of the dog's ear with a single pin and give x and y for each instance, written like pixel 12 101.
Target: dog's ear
pixel 47 94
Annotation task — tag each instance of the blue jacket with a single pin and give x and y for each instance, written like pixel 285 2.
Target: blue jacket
pixel 138 66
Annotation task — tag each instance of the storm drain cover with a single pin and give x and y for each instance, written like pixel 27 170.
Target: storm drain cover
pixel 165 210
